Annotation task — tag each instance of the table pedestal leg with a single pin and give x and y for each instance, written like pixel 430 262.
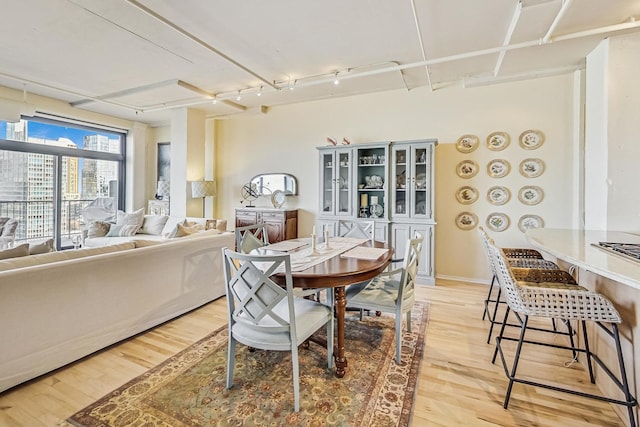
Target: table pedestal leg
pixel 338 352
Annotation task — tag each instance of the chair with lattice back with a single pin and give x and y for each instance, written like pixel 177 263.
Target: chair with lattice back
pixel 264 315
pixel 391 291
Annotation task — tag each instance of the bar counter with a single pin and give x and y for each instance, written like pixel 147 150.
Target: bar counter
pixel 614 276
pixel 575 247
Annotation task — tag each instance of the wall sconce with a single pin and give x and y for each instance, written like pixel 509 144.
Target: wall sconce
pixel 202 189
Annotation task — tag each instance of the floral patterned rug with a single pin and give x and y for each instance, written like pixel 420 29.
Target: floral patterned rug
pixel 189 388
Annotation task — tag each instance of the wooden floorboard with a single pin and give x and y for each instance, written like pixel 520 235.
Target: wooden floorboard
pixel 458 385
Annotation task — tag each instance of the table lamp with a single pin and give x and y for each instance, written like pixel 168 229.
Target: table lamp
pixel 202 189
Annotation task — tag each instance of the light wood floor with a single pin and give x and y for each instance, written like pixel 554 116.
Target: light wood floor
pixel 458 384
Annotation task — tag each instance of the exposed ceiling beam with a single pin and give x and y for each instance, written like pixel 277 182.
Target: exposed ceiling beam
pixel 507 38
pixel 124 92
pixel 422 49
pixel 565 6
pixel 199 41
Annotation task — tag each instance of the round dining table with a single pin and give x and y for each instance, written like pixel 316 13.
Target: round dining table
pixel 338 272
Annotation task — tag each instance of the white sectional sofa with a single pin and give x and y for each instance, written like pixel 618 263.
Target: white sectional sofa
pixel 59 307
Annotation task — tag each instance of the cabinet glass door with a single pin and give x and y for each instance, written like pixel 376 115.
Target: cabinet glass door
pixel 327 182
pixel 371 176
pixel 421 199
pixel 343 182
pixel 400 182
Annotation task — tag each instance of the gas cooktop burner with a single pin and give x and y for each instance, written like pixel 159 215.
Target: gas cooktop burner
pixel 628 250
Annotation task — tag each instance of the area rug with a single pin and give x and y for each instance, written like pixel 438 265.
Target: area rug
pixel 189 388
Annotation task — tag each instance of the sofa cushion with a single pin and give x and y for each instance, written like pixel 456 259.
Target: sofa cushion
pixel 29 261
pixel 126 230
pixel 41 248
pixel 133 218
pixel 18 251
pixel 98 229
pixel 153 224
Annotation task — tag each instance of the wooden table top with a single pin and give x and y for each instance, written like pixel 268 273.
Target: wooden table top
pixel 339 271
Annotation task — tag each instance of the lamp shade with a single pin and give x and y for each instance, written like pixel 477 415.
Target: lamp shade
pixel 203 188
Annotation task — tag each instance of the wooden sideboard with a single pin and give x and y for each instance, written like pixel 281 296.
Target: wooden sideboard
pixel 281 224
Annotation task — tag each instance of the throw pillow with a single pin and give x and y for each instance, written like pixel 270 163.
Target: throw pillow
pixel 18 251
pixel 122 230
pixel 250 242
pixel 193 224
pixel 98 229
pixel 153 224
pixel 133 218
pixel 182 230
pixel 9 228
pixel 41 248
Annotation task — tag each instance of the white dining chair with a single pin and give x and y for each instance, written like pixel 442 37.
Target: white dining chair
pixel 391 291
pixel 251 237
pixel 358 229
pixel 264 315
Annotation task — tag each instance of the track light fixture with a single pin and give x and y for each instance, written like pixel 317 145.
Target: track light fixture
pixel 336 81
pixel 239 97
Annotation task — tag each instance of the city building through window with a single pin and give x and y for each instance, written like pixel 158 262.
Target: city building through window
pixel 50 171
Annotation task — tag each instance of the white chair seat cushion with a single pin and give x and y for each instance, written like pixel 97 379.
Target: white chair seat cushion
pixel 379 294
pixel 310 317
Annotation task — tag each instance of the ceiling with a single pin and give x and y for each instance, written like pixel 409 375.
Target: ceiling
pixel 137 59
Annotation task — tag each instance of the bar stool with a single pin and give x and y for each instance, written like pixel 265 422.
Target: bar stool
pixel 565 302
pixel 530 270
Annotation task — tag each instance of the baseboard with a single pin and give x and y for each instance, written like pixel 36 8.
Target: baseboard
pixel 464 279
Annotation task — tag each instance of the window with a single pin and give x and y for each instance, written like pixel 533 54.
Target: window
pixel 51 170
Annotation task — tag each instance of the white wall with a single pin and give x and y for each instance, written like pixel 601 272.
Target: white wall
pixel 284 140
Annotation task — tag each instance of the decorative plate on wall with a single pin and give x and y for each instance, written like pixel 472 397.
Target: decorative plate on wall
pixel 467 143
pixel 466 220
pixel 498 141
pixel 527 222
pixel 498 195
pixel 531 139
pixel 531 168
pixel 466 195
pixel 497 221
pixel 498 168
pixel 531 195
pixel 467 169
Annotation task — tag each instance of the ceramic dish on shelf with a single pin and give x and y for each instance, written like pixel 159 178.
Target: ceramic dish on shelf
pixel 466 195
pixel 421 208
pixel 527 222
pixel 498 168
pixel 467 169
pixel 376 210
pixel 421 181
pixel 497 221
pixel 530 195
pixel 498 141
pixel 466 220
pixel 531 168
pixel 498 195
pixel 467 143
pixel 531 139
pixel 278 198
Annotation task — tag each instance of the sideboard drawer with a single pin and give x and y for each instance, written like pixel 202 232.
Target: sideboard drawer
pixel 273 216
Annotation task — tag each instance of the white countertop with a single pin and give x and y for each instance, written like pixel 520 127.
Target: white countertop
pixel 574 246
